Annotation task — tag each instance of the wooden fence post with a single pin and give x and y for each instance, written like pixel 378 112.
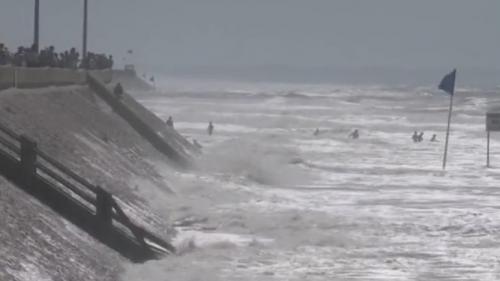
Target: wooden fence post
pixel 15 78
pixel 488 150
pixel 104 206
pixel 28 160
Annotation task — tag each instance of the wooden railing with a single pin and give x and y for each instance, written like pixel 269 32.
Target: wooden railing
pixel 35 165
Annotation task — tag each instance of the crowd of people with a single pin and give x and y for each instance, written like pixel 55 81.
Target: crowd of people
pixel 98 61
pixel 419 137
pixel 48 57
pixel 416 137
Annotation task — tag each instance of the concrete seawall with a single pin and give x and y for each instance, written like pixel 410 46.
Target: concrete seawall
pixel 78 129
pixel 26 77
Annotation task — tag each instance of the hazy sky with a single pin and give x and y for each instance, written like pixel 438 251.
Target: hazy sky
pixel 302 33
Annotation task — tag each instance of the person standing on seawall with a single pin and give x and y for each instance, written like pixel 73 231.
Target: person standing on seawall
pixel 170 122
pixel 118 91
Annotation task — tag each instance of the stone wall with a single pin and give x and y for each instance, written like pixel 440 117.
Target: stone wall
pixel 25 77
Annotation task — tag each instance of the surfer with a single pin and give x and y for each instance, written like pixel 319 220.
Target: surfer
pixel 210 128
pixel 316 132
pixel 434 138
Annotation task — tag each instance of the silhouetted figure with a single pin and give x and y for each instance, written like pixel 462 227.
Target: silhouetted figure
pixel 210 128
pixel 118 91
pixel 421 137
pixel 354 135
pixel 415 136
pixel 316 132
pixel 434 138
pixel 170 122
pixel 4 55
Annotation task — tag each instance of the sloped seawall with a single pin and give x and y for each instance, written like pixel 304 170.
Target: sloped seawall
pixel 78 129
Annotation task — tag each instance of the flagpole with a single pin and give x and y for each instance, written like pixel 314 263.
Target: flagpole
pixel 448 130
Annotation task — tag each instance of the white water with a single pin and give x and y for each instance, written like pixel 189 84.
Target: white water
pixel 281 204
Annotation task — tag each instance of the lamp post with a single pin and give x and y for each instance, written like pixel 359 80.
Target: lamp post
pixel 36 36
pixel 84 43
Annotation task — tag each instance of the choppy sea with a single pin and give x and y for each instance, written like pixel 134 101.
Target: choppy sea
pixel 271 201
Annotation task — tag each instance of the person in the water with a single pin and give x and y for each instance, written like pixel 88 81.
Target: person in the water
pixel 210 128
pixel 355 134
pixel 434 138
pixel 421 137
pixel 415 136
pixel 316 132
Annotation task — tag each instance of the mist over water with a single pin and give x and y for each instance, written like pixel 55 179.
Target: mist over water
pixel 270 201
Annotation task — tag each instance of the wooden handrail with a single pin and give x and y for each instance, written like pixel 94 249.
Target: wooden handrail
pixel 44 157
pixel 140 233
pixel 9 145
pixel 66 171
pixel 82 188
pixel 122 218
pixel 87 197
pixel 9 132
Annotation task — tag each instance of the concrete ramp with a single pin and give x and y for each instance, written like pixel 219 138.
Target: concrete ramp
pixel 164 139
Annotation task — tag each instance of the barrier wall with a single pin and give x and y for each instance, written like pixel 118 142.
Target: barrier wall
pixel 27 77
pixel 169 145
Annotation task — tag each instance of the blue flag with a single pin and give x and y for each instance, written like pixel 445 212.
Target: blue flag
pixel 448 82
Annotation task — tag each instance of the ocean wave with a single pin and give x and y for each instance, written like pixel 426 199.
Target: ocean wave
pixel 264 161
